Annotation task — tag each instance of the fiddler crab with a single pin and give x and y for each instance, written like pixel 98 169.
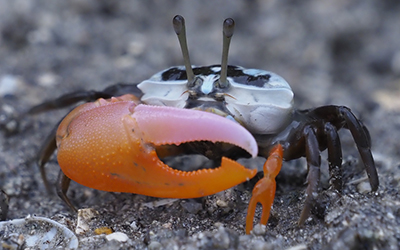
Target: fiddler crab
pixel 223 112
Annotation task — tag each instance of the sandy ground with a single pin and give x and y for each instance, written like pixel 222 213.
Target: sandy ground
pixel 332 52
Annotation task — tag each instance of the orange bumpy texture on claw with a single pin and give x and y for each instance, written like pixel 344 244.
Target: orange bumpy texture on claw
pixel 104 145
pixel 264 190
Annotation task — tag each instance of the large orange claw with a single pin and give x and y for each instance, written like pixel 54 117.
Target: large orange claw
pixel 264 190
pixel 109 145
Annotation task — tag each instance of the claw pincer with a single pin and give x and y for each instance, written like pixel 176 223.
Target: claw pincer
pixel 264 190
pixel 110 145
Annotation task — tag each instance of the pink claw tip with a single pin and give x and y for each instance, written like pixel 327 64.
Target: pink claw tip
pixel 169 125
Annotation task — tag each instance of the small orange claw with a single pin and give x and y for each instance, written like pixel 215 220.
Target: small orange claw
pixel 264 190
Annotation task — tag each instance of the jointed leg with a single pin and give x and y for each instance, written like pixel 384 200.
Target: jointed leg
pixel 68 100
pixel 85 96
pixel 361 137
pixel 47 149
pixel 334 156
pixel 313 177
pixel 62 188
pixel 264 190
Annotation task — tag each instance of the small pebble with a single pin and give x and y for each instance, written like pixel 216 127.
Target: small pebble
pixel 298 247
pixel 47 79
pixel 134 226
pixel 154 245
pixel 9 84
pixel 118 236
pixel 103 230
pixel 84 217
pixel 364 187
pixel 259 230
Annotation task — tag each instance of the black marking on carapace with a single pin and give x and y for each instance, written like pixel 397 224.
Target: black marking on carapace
pixel 174 74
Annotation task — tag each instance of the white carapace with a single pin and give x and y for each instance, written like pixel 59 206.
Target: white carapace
pixel 260 100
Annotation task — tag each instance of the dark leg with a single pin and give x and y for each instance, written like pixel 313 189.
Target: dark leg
pixel 334 156
pixel 4 201
pixel 68 100
pixel 86 96
pixel 47 149
pixel 313 177
pixel 62 188
pixel 362 140
pixel 122 89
